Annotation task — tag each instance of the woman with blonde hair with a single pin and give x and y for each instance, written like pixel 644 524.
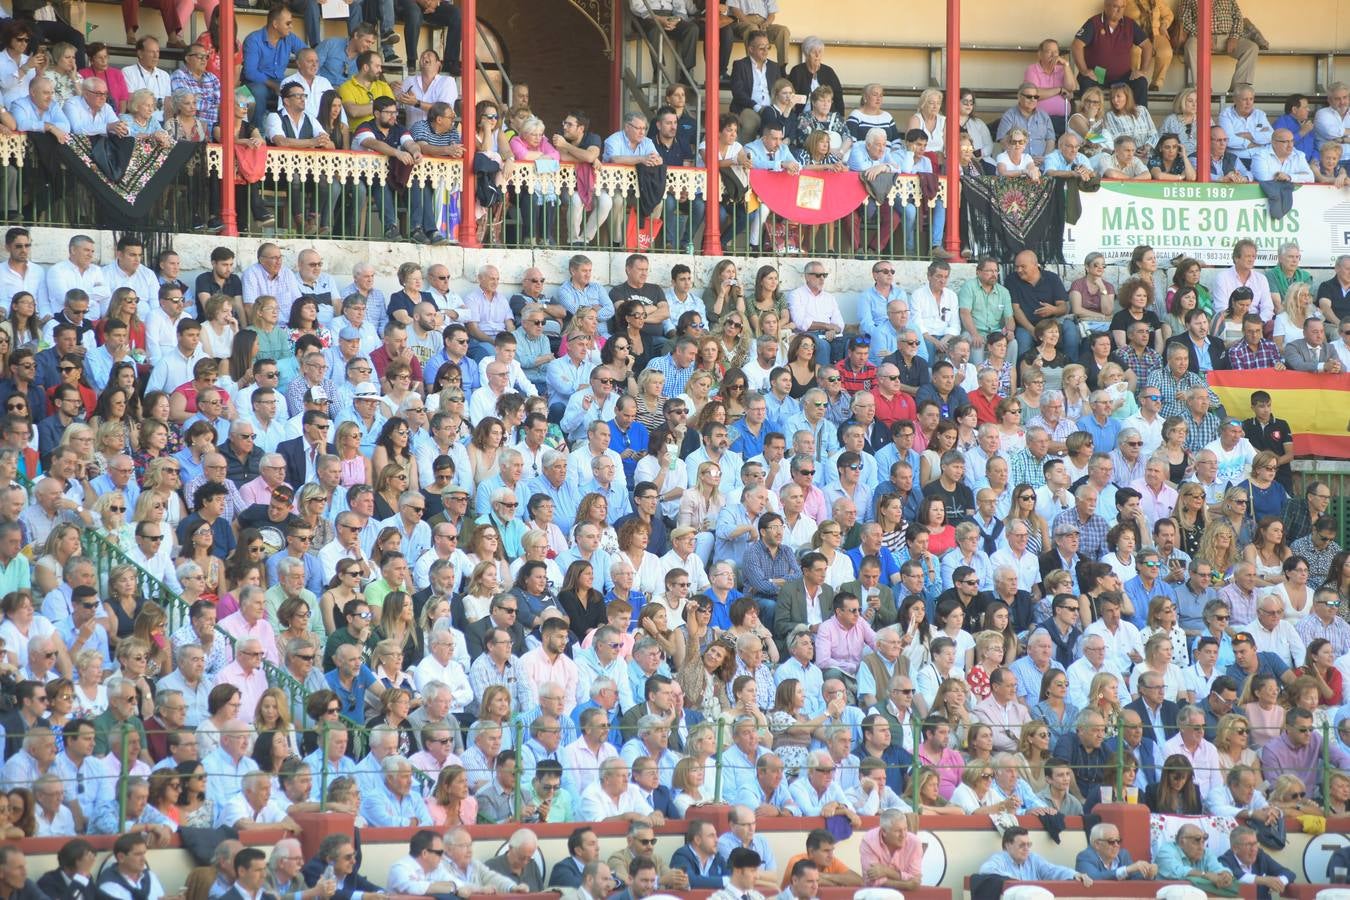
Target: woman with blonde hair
pixel 1103 695
pixel 1299 306
pixel 355 464
pixel 1089 122
pixel 829 542
pixel 1033 752
pixel 929 119
pixel 273 714
pixel 150 626
pixel 700 506
pixel 91 695
pixel 1183 120
pixel 1158 661
pixel 1219 545
pixel 688 781
pixel 1190 510
pixel 1232 738
pixel 953 701
pixel 1016 161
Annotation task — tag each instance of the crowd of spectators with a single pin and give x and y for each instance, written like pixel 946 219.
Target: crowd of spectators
pixel 1083 117
pixel 580 557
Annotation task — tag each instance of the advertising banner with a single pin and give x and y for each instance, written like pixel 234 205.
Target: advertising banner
pixel 1203 220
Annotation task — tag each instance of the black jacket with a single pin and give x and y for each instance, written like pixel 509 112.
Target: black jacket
pixel 1218 353
pixel 800 76
pixel 743 81
pixel 353 883
pixel 293 451
pixel 57 886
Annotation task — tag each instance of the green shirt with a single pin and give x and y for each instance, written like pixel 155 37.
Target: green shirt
pixel 375 593
pixel 337 639
pixel 988 309
pixel 1280 284
pixel 276 596
pixel 104 722
pixel 16 576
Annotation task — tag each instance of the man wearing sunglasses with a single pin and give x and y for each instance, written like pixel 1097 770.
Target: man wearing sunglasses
pixel 1105 860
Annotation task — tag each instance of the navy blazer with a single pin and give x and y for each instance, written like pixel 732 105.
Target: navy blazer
pixel 1147 755
pixel 566 873
pixel 352 884
pixel 1169 716
pixel 1265 865
pixel 663 801
pixel 293 451
pixel 687 861
pixel 1090 864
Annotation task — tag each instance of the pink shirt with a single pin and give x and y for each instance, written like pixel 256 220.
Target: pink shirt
pixel 256 491
pixel 250 686
pixel 237 625
pixel 907 859
pixel 840 648
pixel 950 764
pixel 562 672
pixel 1049 84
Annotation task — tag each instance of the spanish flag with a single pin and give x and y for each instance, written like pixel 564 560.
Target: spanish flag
pixel 1317 407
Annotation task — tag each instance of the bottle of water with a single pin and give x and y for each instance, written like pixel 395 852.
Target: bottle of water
pixel 329 874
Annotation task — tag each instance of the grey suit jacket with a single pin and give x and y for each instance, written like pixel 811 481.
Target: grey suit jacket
pixel 887 614
pixel 791 608
pixel 1299 357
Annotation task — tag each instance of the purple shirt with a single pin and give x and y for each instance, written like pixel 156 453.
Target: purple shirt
pixel 1279 755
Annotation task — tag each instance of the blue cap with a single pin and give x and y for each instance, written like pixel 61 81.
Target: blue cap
pixel 349 333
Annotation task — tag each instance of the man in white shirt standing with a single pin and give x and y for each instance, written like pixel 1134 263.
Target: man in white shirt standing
pixel 933 308
pixel 145 73
pixel 126 270
pixel 18 274
pixel 815 311
pixel 76 271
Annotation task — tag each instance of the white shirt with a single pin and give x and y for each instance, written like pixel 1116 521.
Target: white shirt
pixel 237 808
pixel 408 877
pixel 142 281
pixel 805 307
pixel 597 806
pixel 1331 127
pixel 934 316
pixel 173 369
pixel 1027 565
pixel 1081 673
pixel 451 673
pixel 1283 640
pixel 443 89
pixel 1236 464
pixel 1120 643
pixel 1149 432
pixel 64 276
pixel 314 91
pixel 1254 123
pixel 34 281
pixel 1266 165
pixel 161 334
pixel 1227 280
pixel 155 80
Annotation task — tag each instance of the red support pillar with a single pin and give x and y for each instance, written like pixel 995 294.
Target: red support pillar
pixel 1204 40
pixel 952 240
pixel 616 67
pixel 228 214
pixel 468 125
pixel 712 154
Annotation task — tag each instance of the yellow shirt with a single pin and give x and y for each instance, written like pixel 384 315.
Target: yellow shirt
pixel 353 91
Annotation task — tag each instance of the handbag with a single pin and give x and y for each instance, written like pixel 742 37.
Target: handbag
pixel 641 236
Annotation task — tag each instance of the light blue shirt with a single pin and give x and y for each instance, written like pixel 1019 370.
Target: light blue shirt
pixel 872 309
pixel 728 548
pixel 319 764
pixel 1255 123
pixel 98 364
pixel 761 158
pixel 383 810
pixel 809 802
pixel 1265 167
pixel 30 118
pixel 565 500
pixel 780 412
pixel 599 561
pixel 617 145
pixel 86 122
pixel 984 570
pixel 529 349
pixel 572 298
pixel 616 494
pixel 860 161
pixel 565 378
pixel 1034 869
pixel 812 681
pixel 691 303
pixel 577 418
pixel 728 842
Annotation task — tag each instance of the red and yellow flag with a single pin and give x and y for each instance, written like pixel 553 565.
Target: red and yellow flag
pixel 1317 407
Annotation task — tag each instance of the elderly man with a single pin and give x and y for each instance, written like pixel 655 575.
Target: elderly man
pixel 1248 129
pixel 1002 711
pixel 253 807
pixel 89 114
pixel 611 797
pixel 891 855
pixel 1188 858
pixel 227 764
pixel 395 804
pixel 1189 741
pixel 1252 865
pixel 1105 860
pixel 1274 634
pixel 1083 748
pixel 39 112
pixel 246 672
pixel 1027 116
pixel 817 794
pixel 1282 162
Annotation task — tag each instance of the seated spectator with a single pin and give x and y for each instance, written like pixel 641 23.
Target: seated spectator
pixel 381 133
pixel 89 114
pixel 1252 865
pixel 1103 50
pixel 1105 860
pixel 1282 162
pixel 753 76
pixel 1027 116
pixel 1016 160
pixel 1298 121
pixel 1188 858
pixel 1228 37
pixel 1016 861
pixel 1169 161
pixel 1122 162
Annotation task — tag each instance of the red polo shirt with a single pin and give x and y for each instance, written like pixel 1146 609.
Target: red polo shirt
pixel 901 406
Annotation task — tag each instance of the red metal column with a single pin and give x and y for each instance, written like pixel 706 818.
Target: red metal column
pixel 952 240
pixel 1204 56
pixel 468 225
pixel 228 215
pixel 712 154
pixel 616 67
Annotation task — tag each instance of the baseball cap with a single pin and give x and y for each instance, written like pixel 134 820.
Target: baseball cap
pixel 349 333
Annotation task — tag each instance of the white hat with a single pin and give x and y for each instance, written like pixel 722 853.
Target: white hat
pixel 1181 892
pixel 366 391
